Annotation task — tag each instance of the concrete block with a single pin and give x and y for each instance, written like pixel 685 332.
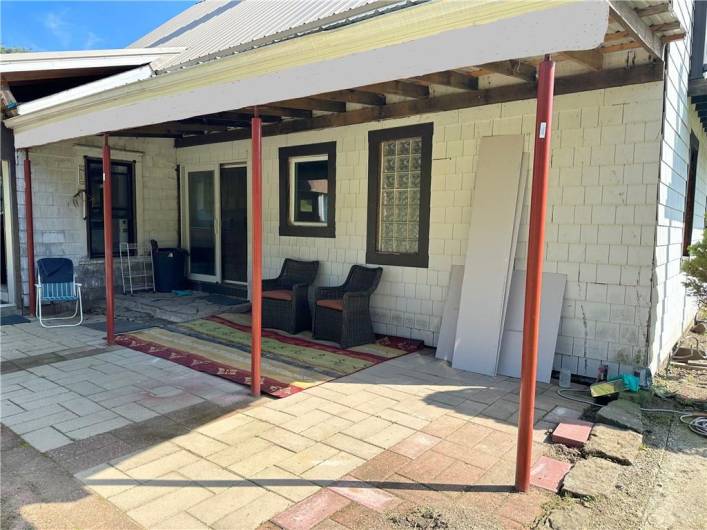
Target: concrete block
pixel 622 413
pixel 618 445
pixel 591 478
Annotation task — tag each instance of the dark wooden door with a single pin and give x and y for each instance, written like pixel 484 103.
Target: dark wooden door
pixel 234 224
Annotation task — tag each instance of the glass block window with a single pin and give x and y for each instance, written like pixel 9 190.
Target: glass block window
pixel 400 162
pixel 399 228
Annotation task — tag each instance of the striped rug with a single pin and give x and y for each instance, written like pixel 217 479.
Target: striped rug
pixel 220 345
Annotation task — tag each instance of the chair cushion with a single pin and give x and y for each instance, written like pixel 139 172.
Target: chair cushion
pixel 278 294
pixel 337 304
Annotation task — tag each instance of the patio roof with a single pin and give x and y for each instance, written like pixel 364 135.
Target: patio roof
pixel 432 37
pixel 217 28
pixel 432 58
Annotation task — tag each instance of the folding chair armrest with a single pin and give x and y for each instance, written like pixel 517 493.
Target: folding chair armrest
pixel 78 284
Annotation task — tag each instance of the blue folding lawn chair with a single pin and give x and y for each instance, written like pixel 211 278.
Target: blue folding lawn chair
pixel 56 282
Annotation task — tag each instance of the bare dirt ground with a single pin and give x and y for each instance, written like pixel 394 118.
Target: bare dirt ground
pixel 666 488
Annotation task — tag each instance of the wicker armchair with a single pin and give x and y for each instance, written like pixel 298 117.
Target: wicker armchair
pixel 342 314
pixel 285 298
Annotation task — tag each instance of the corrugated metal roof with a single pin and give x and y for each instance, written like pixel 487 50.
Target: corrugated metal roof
pixel 216 27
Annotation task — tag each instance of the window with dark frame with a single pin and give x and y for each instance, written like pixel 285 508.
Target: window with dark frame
pixel 689 210
pixel 123 195
pixel 399 181
pixel 308 190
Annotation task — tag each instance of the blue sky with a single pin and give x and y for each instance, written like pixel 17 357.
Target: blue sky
pixel 81 25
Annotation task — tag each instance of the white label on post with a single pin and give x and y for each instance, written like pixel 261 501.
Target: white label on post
pixel 543 129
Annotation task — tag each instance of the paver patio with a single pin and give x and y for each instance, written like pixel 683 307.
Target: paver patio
pixel 136 431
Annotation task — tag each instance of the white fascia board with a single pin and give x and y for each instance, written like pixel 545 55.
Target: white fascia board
pixel 52 61
pixel 124 78
pixel 566 27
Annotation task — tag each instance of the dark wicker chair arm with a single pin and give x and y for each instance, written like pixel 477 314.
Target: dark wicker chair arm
pixel 329 293
pixel 354 301
pixel 271 284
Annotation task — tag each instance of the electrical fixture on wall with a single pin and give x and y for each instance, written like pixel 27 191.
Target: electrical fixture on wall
pixel 79 199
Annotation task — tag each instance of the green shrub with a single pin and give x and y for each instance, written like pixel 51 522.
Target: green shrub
pixel 696 270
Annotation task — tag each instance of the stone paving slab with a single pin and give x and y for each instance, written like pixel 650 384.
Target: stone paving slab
pixel 619 445
pixel 622 413
pixel 591 478
pixel 411 430
pixel 51 405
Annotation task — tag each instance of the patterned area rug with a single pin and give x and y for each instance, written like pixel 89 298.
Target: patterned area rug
pixel 220 345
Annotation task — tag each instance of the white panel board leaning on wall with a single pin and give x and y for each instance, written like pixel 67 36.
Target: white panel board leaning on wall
pixel 448 328
pixel 495 218
pixel 553 291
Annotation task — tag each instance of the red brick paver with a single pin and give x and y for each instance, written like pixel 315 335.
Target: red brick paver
pixel 572 433
pixel 415 445
pixel 311 511
pixel 365 494
pixel 548 473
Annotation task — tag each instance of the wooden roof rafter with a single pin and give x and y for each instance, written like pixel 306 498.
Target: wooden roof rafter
pixel 446 102
pixel 430 92
pixel 638 30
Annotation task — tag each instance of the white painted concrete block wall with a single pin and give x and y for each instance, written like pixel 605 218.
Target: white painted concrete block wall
pixel 601 215
pixel 672 309
pixel 59 227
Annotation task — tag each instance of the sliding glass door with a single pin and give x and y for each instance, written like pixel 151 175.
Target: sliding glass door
pixel 201 224
pixel 215 223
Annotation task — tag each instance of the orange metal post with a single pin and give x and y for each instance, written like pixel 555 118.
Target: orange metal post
pixel 534 278
pixel 257 223
pixel 29 228
pixel 108 240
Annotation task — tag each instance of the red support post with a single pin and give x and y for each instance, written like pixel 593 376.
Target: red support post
pixel 534 277
pixel 29 228
pixel 108 240
pixel 257 224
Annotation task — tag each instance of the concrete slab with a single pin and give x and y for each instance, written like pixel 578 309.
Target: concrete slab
pixel 612 443
pixel 622 413
pixel 591 478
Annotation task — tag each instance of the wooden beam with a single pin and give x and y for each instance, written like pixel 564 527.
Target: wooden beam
pixel 399 88
pixel 638 29
pixel 353 96
pixel 281 111
pixel 632 45
pixel 653 10
pixel 593 59
pixel 129 133
pixel 311 104
pixel 616 35
pixel 215 122
pixel 193 127
pixel 515 69
pixel 665 39
pixel 477 72
pixel 563 85
pixel 450 78
pixel 666 26
pixel 697 87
